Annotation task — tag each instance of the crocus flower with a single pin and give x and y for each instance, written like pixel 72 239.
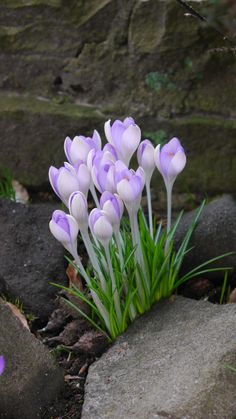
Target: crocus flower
pixel 113 207
pixel 170 160
pixel 100 226
pixel 78 208
pixel 102 169
pixel 84 177
pixel 64 181
pixel 145 156
pixel 77 149
pixel 129 184
pixel 65 229
pixel 2 364
pixel 124 136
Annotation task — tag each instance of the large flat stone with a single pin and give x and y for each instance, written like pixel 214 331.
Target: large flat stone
pixel 214 235
pixel 30 256
pixel 31 380
pixel 169 364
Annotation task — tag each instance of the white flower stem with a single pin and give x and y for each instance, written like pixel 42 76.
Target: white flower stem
pixel 93 258
pixel 73 251
pixel 149 202
pixel 132 310
pixel 114 287
pixel 94 195
pixel 119 247
pixel 169 204
pixel 102 310
pixel 134 240
pixel 142 264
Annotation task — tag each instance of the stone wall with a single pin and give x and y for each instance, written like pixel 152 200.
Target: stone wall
pixel 68 65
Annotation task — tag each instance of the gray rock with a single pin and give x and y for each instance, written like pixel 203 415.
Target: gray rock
pixel 214 235
pixel 30 256
pixel 31 379
pixel 169 364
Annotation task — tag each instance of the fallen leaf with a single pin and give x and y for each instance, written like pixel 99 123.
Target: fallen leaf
pixel 21 193
pixel 18 314
pixel 74 278
pixel 232 297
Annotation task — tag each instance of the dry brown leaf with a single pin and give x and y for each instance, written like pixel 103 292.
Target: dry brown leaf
pixel 74 278
pixel 18 314
pixel 21 193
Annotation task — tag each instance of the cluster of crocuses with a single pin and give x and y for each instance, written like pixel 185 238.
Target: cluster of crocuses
pixel 105 172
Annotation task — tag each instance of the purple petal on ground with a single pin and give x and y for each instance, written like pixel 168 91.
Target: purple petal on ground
pixel 2 364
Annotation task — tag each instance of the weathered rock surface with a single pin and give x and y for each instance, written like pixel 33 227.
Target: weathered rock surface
pixel 214 235
pixel 31 380
pixel 169 364
pixel 142 58
pixel 30 256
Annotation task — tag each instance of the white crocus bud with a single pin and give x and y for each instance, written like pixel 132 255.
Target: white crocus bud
pixel 78 208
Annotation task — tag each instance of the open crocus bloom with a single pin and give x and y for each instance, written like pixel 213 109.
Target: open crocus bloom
pixel 170 160
pixel 78 148
pixel 2 364
pixel 64 228
pixel 124 136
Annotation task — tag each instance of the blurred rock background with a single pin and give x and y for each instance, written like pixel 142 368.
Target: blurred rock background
pixel 68 65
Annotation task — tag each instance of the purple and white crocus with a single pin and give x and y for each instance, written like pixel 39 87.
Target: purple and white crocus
pixel 102 228
pixel 124 136
pixel 77 150
pixel 170 161
pixel 68 179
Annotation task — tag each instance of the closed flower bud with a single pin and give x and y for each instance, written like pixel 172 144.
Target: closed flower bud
pixel 170 160
pixel 129 184
pixel 84 177
pixel 64 228
pixel 145 156
pixel 100 225
pixel 64 181
pixel 124 136
pixel 78 208
pixel 77 150
pixel 113 207
pixel 102 169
